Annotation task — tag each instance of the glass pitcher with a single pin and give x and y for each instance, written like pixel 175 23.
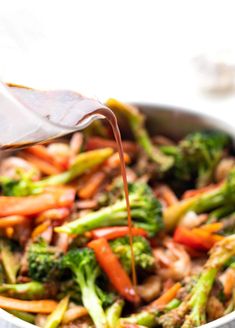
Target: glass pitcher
pixel 28 116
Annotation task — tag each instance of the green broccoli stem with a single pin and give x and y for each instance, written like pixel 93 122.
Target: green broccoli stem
pixel 30 290
pixel 199 299
pixel 136 121
pixel 113 313
pixel 90 298
pixel 112 215
pixel 144 318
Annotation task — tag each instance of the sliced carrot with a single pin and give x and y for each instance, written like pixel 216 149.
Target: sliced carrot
pixel 40 229
pixel 165 298
pixel 30 205
pixel 10 221
pixel 92 185
pixel 213 227
pixel 114 270
pixel 167 194
pixel 41 152
pixel 45 167
pixel 116 232
pixel 53 214
pixel 42 306
pixel 74 313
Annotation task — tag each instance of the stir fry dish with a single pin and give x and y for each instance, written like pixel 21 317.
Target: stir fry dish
pixel 65 254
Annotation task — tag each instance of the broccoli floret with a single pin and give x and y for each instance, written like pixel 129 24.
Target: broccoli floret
pixel 144 259
pixel 82 263
pixel 222 196
pixel 43 261
pixel 192 311
pixel 145 211
pixel 196 156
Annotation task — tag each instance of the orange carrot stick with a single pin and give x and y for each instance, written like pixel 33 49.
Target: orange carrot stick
pixel 112 267
pixel 167 194
pixel 40 229
pixel 59 197
pixel 92 185
pixel 10 221
pixel 42 152
pixel 45 167
pixel 165 298
pixel 74 313
pixel 53 214
pixel 42 306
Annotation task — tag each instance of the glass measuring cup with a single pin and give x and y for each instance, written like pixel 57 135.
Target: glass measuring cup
pixel 29 116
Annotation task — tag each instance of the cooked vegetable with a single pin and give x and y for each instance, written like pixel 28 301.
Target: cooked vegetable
pixel 43 261
pixel 197 155
pixel 85 269
pixel 42 306
pixel 145 211
pixel 113 314
pixel 142 252
pixel 194 308
pixel 136 122
pixel 116 232
pixel 56 316
pixel 114 270
pixel 222 196
pixel 31 290
pixel 82 163
pixel 10 260
pixel 31 205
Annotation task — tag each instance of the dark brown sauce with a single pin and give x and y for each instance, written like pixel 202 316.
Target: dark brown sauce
pixel 90 108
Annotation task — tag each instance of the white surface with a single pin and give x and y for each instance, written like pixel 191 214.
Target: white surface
pixel 137 50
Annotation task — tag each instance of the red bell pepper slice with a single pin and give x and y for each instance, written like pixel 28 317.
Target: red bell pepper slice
pixel 110 233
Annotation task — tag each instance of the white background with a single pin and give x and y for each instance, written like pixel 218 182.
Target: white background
pixel 133 50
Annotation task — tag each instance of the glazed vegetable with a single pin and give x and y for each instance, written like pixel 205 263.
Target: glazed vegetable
pixel 43 261
pixel 136 122
pixel 197 238
pixel 82 163
pixel 10 260
pixel 222 196
pixel 31 205
pixel 116 232
pixel 113 313
pixel 56 316
pixel 30 291
pixel 148 317
pixel 85 269
pixel 192 312
pixel 114 270
pixel 144 259
pixel 42 306
pixel 145 211
pixel 196 156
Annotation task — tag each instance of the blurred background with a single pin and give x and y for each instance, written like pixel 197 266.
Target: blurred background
pixel 178 52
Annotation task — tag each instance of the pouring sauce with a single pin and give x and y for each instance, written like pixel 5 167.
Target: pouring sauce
pixel 75 112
